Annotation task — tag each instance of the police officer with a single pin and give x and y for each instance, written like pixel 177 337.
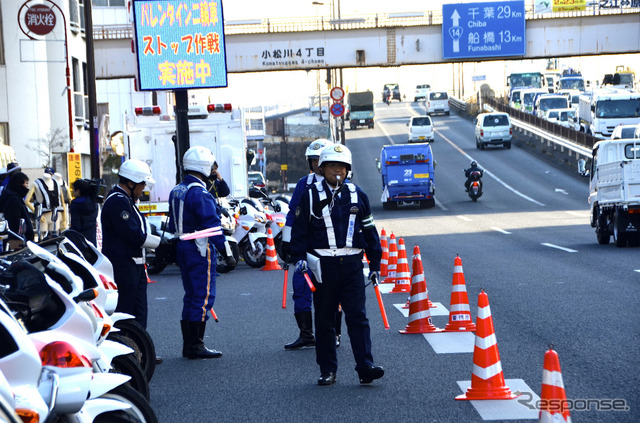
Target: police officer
pixel 192 208
pixel 332 228
pixel 124 232
pixel 301 291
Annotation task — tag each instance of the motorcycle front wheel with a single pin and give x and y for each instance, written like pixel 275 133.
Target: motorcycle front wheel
pixel 258 256
pixel 128 365
pixel 140 411
pixel 145 349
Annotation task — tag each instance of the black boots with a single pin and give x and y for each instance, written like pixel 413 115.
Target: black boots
pixel 370 373
pixel 306 339
pixel 193 346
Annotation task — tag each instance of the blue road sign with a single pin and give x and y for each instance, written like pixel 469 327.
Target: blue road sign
pixel 489 29
pixel 337 109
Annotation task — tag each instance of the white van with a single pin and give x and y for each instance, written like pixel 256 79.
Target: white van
pixel 420 129
pixel 527 97
pixel 515 101
pixel 493 129
pixel 550 101
pixel 438 103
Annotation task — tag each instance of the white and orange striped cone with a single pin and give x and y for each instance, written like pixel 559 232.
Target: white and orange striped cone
pixel 403 274
pixel 487 379
pixel 384 261
pixel 365 260
pixel 393 260
pixel 553 399
pixel 419 314
pixel 271 262
pixel 417 275
pixel 459 313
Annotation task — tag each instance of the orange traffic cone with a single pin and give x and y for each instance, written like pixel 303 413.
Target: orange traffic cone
pixel 403 275
pixel 384 261
pixel 487 379
pixel 417 275
pixel 553 399
pixel 365 260
pixel 272 257
pixel 147 275
pixel 460 315
pixel 419 314
pixel 393 260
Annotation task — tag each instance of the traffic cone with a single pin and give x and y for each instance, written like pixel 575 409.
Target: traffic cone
pixel 393 260
pixel 147 275
pixel 419 314
pixel 417 275
pixel 487 379
pixel 365 260
pixel 553 398
pixel 403 275
pixel 460 315
pixel 272 257
pixel 384 261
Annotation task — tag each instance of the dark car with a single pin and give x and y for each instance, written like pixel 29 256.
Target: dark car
pixel 256 180
pixel 395 91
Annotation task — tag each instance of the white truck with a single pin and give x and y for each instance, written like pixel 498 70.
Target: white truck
pixel 614 191
pixel 600 111
pixel 149 136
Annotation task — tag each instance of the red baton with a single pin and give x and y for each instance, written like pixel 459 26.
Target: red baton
pixel 284 285
pixel 213 314
pixel 308 279
pixel 383 312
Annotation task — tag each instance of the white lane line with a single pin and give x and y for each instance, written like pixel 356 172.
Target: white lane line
pixel 439 204
pixel 562 191
pixel 573 213
pixel 500 181
pixel 386 134
pixel 568 250
pixel 465 218
pixel 501 230
pixel 637 270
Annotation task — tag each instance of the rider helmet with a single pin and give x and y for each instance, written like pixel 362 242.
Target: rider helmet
pixel 198 159
pixel 474 164
pixel 337 153
pixel 136 171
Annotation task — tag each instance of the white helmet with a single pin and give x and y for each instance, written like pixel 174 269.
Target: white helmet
pixel 198 159
pixel 136 171
pixel 314 149
pixel 336 153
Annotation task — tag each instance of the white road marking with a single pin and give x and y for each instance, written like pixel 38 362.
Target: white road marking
pixel 637 270
pixel 515 409
pixel 568 250
pixel 439 204
pixel 562 191
pixel 500 181
pixel 573 213
pixel 501 230
pixel 465 218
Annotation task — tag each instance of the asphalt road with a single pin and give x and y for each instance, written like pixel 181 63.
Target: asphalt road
pixel 527 242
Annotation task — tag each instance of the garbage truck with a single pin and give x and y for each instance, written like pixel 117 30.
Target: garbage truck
pixel 360 108
pixel 407 175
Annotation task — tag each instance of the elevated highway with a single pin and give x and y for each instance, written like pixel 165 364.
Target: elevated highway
pixel 380 40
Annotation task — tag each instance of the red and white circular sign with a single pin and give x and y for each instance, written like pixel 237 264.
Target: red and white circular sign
pixel 336 93
pixel 40 19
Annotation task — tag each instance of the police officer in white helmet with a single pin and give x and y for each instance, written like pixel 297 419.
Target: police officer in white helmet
pixel 192 208
pixel 332 228
pixel 124 238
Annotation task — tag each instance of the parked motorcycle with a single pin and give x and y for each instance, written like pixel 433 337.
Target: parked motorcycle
pixel 475 185
pixel 276 212
pixel 250 232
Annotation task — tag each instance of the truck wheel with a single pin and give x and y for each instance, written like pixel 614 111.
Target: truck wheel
pixel 389 205
pixel 427 204
pixel 481 146
pixel 507 145
pixel 619 234
pixel 352 126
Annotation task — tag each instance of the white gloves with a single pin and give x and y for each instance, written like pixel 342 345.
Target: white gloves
pixel 374 275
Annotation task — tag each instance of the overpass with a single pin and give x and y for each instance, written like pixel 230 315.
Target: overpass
pixel 382 40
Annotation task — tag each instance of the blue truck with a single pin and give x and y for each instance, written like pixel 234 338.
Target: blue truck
pixel 407 175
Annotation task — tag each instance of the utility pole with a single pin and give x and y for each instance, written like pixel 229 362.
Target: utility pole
pixel 94 141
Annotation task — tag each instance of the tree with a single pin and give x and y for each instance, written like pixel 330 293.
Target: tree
pixel 55 142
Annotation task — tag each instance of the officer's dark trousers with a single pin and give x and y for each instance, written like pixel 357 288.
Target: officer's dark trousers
pixel 198 280
pixel 132 288
pixel 301 294
pixel 343 282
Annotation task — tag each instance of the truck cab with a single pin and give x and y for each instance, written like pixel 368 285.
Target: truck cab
pixel 407 175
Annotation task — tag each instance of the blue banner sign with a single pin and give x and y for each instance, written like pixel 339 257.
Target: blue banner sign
pixel 179 44
pixel 476 30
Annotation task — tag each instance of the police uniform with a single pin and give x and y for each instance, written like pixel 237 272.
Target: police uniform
pixel 123 234
pixel 335 228
pixel 192 208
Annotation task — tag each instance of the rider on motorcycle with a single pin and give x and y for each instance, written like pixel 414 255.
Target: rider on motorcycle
pixel 473 167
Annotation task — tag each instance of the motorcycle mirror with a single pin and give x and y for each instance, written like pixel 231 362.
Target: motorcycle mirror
pixel 243 210
pixel 277 208
pixel 378 164
pixel 582 168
